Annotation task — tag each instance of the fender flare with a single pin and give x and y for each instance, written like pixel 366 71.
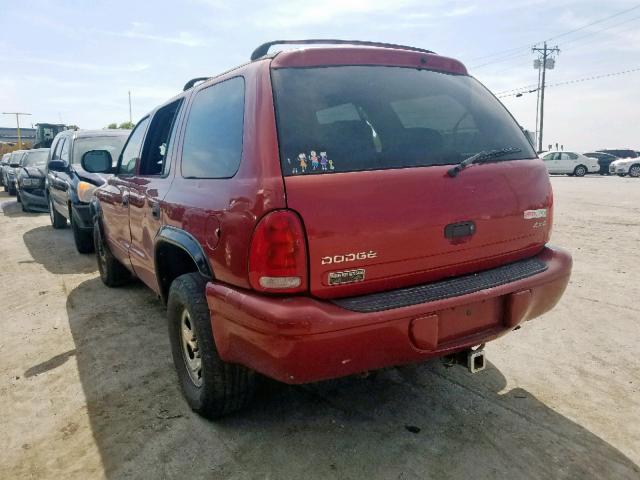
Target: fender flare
pixel 185 241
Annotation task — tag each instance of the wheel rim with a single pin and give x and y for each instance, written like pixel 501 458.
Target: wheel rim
pixel 634 171
pixel 580 171
pixel 190 350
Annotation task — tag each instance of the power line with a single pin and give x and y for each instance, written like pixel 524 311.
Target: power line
pixel 594 23
pixel 513 53
pixel 568 82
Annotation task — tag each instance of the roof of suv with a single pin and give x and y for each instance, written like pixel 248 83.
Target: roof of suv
pixel 348 52
pixel 113 132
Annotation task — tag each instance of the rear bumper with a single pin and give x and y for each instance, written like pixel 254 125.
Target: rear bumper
pixel 302 339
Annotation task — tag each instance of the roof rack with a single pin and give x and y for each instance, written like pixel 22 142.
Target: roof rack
pixel 193 81
pixel 263 49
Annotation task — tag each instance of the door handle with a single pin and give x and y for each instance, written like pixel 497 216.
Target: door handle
pixel 155 210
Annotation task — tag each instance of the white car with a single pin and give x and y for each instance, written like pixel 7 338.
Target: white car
pixel 570 163
pixel 625 166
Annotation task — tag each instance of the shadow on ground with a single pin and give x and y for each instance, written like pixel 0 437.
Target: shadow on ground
pixel 11 208
pixel 55 250
pixel 349 428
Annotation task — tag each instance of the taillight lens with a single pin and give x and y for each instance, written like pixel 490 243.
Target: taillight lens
pixel 278 254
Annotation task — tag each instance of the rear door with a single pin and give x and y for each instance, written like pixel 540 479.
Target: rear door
pixel 148 188
pixel 365 153
pixel 114 196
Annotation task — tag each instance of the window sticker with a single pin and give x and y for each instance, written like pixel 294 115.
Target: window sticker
pixel 313 162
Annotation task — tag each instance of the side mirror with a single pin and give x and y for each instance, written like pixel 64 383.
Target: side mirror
pixel 57 165
pixel 14 165
pixel 97 161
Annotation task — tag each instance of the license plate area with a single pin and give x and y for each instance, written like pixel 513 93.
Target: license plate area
pixel 468 319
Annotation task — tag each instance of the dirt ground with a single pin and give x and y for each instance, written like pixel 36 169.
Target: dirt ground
pixel 88 389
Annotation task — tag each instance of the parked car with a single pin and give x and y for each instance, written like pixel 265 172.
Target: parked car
pixel 3 161
pixel 622 153
pixel 69 187
pixel 570 163
pixel 30 177
pixel 9 171
pixel 626 166
pixel 604 160
pixel 321 212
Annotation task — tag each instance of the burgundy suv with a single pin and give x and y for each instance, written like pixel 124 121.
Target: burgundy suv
pixel 325 211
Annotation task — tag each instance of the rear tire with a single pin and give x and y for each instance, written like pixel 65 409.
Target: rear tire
pixel 211 386
pixel 580 171
pixel 83 238
pixel 112 272
pixel 57 220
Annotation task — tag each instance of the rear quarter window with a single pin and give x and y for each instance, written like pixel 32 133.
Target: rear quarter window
pixel 213 137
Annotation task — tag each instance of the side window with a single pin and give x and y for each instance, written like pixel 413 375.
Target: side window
pixel 548 156
pixel 58 147
pixel 572 156
pixel 156 145
pixel 131 152
pixel 213 137
pixel 64 152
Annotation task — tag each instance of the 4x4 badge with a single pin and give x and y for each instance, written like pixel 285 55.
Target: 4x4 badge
pixel 531 214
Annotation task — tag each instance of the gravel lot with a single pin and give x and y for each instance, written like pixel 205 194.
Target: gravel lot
pixel 88 388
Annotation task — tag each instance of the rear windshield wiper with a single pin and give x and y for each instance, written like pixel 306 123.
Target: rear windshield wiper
pixel 481 157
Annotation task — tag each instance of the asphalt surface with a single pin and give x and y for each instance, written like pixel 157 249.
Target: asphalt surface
pixel 88 389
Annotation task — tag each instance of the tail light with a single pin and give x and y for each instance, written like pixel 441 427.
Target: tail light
pixel 278 254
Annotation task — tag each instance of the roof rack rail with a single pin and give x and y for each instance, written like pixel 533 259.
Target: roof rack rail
pixel 193 81
pixel 263 49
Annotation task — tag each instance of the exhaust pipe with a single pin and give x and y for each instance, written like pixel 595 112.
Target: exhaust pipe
pixel 472 358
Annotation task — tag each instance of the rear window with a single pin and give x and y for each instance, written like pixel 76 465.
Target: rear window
pixel 351 118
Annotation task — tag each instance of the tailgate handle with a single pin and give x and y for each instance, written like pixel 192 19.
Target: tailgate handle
pixel 459 230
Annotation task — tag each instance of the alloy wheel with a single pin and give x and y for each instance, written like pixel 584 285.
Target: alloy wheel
pixel 190 349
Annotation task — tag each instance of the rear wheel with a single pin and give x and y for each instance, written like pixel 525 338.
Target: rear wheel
pixel 57 220
pixel 634 171
pixel 82 237
pixel 211 386
pixel 112 272
pixel 580 171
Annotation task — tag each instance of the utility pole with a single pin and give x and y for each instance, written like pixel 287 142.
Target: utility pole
pixel 130 116
pixel 17 114
pixel 545 61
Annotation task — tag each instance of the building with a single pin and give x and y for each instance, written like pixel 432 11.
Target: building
pixel 10 135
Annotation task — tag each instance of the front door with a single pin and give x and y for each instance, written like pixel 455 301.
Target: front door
pixel 148 189
pixel 59 181
pixel 115 196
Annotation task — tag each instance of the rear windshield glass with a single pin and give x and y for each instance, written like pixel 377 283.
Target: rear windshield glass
pixel 112 144
pixel 350 118
pixel 36 159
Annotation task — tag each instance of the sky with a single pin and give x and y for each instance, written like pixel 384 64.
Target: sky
pixel 64 61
